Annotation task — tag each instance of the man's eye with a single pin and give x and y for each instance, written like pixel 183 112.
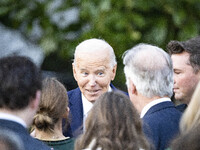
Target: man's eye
pixel 177 72
pixel 100 73
pixel 85 73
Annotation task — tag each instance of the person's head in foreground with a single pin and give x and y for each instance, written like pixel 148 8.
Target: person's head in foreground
pixel 20 86
pixel 112 124
pixel 52 109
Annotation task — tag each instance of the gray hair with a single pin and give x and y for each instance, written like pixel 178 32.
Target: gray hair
pixel 95 45
pixel 150 69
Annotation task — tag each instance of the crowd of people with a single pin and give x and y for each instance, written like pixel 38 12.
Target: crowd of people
pixel 159 111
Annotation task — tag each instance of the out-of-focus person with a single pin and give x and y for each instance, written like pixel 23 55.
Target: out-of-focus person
pixel 113 124
pixel 47 122
pixel 189 125
pixel 10 141
pixel 20 90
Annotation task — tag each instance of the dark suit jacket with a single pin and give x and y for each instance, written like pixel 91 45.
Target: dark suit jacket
pixel 181 107
pixel 161 124
pixel 76 112
pixel 29 142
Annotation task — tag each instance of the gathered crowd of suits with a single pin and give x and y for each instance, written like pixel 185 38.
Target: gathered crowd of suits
pixel 155 120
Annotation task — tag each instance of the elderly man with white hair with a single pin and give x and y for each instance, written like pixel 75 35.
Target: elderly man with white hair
pixel 149 78
pixel 94 68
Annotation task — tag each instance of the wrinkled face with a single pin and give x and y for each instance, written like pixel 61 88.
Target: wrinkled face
pixel 185 80
pixel 93 73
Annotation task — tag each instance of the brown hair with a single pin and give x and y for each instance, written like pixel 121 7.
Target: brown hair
pixel 114 124
pixel 53 104
pixel 191 46
pixel 20 80
pixel 189 140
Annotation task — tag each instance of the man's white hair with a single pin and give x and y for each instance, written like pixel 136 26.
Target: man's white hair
pixel 150 69
pixel 95 45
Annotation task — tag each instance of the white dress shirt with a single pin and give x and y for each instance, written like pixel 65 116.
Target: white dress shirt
pixel 153 103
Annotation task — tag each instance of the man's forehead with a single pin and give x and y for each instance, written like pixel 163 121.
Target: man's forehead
pixel 91 52
pixel 92 58
pixel 86 68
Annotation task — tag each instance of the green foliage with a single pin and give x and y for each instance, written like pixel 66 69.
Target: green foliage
pixel 123 24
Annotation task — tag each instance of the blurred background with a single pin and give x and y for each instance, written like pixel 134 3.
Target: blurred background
pixel 49 30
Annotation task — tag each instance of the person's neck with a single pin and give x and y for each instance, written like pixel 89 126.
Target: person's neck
pixel 143 101
pixel 54 135
pixel 17 113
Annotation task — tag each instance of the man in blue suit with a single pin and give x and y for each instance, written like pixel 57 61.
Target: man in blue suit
pixel 94 68
pixel 149 78
pixel 20 85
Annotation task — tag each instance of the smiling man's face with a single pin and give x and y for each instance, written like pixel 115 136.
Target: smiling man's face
pixel 93 73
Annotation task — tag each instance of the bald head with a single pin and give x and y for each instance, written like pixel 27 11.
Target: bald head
pixel 94 67
pixel 94 47
pixel 146 57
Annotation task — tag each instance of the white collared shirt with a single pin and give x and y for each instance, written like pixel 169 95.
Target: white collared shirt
pixel 153 103
pixel 14 118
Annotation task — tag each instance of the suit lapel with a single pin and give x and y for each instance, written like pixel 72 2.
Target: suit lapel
pixel 76 109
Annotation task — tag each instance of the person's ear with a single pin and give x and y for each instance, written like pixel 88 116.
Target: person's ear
pixel 114 72
pixel 74 71
pixel 132 88
pixel 35 102
pixel 65 115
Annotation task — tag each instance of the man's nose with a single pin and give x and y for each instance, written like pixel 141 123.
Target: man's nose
pixel 92 80
pixel 174 79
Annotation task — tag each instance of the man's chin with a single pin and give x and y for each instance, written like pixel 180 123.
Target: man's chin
pixel 92 99
pixel 179 100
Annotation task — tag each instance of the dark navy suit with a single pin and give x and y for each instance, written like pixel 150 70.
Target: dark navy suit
pixel 161 124
pixel 76 112
pixel 29 142
pixel 181 107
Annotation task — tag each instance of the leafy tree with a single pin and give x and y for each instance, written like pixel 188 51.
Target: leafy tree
pixel 59 25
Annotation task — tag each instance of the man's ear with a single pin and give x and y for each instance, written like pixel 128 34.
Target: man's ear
pixel 114 72
pixel 35 102
pixel 132 88
pixel 74 71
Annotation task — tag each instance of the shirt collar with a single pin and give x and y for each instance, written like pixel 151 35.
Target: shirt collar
pixel 152 103
pixel 14 118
